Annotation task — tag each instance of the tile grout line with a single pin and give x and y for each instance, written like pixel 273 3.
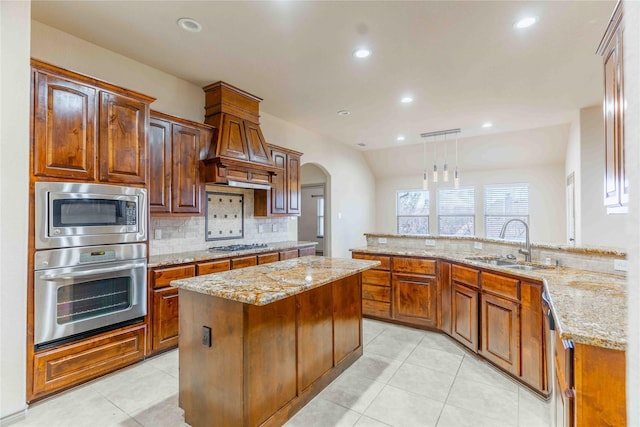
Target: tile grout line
pixel 450 387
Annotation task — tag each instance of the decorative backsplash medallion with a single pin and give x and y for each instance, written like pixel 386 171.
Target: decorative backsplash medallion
pixel 225 216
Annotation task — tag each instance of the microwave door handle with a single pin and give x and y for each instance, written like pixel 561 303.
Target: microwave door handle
pixel 92 272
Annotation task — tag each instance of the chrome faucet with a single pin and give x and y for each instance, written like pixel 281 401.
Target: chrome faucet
pixel 527 245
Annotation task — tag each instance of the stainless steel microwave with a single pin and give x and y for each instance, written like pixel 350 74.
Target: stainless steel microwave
pixel 77 214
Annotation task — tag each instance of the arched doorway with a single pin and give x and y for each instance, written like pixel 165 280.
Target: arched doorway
pixel 314 224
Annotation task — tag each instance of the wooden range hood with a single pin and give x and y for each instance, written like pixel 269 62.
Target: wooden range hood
pixel 238 155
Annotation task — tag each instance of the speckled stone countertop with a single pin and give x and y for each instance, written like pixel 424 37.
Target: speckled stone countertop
pixel 589 308
pixel 207 255
pixel 267 283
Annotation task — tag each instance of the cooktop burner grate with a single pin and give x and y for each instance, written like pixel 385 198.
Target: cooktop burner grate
pixel 231 248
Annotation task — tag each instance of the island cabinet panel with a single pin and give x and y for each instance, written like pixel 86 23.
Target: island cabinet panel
pixel 71 364
pixel 64 128
pixel 533 337
pixel 213 267
pixel 315 330
pixel 444 297
pixel 311 250
pixel 242 262
pixel 267 258
pixel 288 254
pixel 464 315
pixel 500 323
pixel 271 368
pixel 123 139
pixel 414 299
pixel 347 308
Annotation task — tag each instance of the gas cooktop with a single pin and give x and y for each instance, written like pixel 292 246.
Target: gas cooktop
pixel 231 248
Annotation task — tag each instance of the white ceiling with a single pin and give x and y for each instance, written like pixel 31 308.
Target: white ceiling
pixel 463 62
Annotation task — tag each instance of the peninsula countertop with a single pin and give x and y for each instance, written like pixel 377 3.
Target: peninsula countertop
pixel 207 255
pixel 267 283
pixel 589 307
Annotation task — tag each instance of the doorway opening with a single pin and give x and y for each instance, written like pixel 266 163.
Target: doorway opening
pixel 314 223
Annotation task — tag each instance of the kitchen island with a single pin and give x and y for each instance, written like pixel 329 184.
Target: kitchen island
pixel 257 344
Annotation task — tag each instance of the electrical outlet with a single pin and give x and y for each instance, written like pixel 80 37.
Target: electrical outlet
pixel 157 234
pixel 274 227
pixel 382 240
pixel 620 264
pixel 477 245
pixel 206 336
pixel 429 242
pixel 261 228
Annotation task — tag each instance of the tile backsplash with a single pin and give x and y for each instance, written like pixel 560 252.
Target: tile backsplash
pixel 188 233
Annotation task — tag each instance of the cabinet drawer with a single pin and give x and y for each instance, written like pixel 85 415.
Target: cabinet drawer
pixel 307 251
pixel 212 267
pixel 267 258
pixel 376 308
pixel 243 262
pixel 376 293
pixel 72 364
pixel 288 254
pixel 376 277
pixel 500 285
pixel 464 275
pixel 414 265
pixel 385 261
pixel 163 277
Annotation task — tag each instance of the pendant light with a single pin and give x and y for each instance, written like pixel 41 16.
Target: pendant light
pixel 456 178
pixel 435 166
pixel 445 168
pixel 425 181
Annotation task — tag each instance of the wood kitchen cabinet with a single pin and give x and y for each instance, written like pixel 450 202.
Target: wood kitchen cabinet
pixel 176 147
pixel 293 253
pixel 444 296
pixel 311 250
pixel 464 305
pixel 376 287
pixel 284 196
pixel 414 291
pixel 616 185
pixel 86 129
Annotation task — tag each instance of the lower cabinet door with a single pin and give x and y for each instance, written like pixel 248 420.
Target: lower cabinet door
pixel 500 338
pixel 464 315
pixel 164 322
pixel 414 299
pixel 71 364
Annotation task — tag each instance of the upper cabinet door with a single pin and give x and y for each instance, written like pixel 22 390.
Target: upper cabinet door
pixel 64 131
pixel 233 141
pixel 293 184
pixel 159 165
pixel 185 186
pixel 257 147
pixel 279 184
pixel 123 139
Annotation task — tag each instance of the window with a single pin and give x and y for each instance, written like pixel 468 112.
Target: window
pixel 502 203
pixel 456 212
pixel 319 216
pixel 412 211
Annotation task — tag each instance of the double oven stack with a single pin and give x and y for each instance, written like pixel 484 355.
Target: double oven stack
pixel 90 260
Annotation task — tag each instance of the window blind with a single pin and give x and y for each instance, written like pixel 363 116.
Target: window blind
pixel 456 211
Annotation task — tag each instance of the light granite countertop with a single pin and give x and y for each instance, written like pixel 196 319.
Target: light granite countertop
pixel 267 283
pixel 208 255
pixel 588 307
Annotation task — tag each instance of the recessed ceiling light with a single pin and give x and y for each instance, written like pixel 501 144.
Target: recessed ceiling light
pixel 361 144
pixel 361 53
pixel 189 24
pixel 487 124
pixel 344 113
pixel 525 22
pixel 400 138
pixel 406 100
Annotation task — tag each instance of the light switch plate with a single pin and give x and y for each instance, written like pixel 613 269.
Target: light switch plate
pixel 157 233
pixel 477 245
pixel 620 264
pixel 382 240
pixel 429 242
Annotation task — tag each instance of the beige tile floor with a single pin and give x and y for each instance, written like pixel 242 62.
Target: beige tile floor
pixel 405 378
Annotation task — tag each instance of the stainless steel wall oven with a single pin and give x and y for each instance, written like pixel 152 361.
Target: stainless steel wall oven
pixel 82 291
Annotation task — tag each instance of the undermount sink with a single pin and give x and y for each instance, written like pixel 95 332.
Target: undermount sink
pixel 506 263
pixel 523 267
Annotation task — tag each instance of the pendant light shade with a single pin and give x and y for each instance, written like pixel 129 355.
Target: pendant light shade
pixel 425 181
pixel 445 168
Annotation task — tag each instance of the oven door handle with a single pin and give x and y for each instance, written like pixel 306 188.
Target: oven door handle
pixel 93 272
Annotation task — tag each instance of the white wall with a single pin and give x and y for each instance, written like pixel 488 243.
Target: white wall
pixel 15 19
pixel 598 228
pixel 350 184
pixel 572 165
pixel 632 146
pixel 546 199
